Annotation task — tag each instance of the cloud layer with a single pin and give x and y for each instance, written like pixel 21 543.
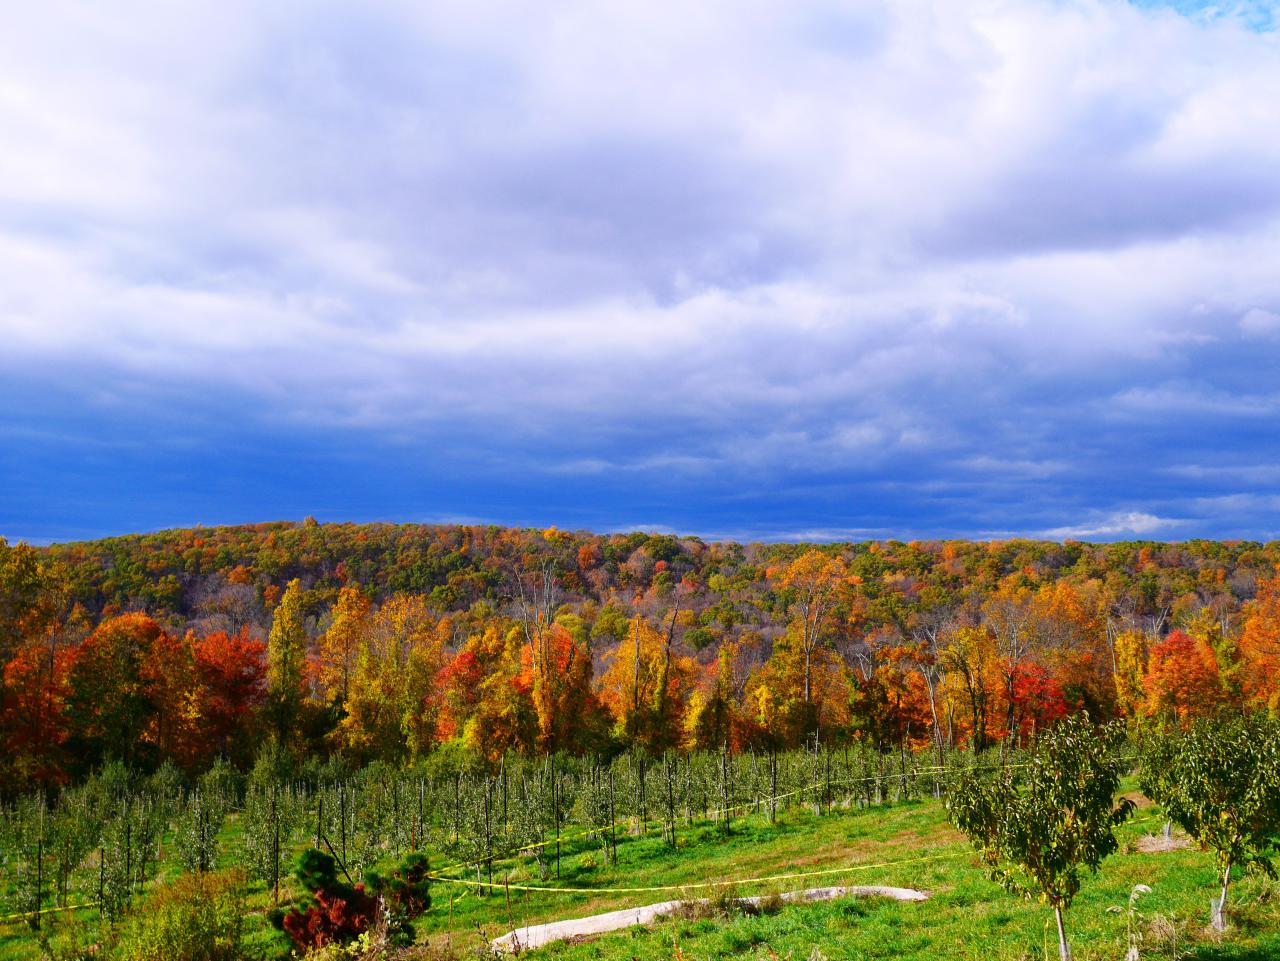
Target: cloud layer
pixel 913 267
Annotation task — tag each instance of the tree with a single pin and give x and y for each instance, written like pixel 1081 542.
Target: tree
pixel 1035 827
pixel 232 671
pixel 713 711
pixel 646 688
pixel 286 659
pixel 812 581
pixel 536 596
pixel 175 726
pixel 1260 648
pixel 1010 614
pixel 792 696
pixel 33 716
pixel 1130 649
pixel 1182 679
pixel 392 705
pixel 928 629
pixel 338 648
pixel 1220 782
pixel 970 657
pixel 557 678
pixel 1038 702
pixel 111 702
pixel 26 605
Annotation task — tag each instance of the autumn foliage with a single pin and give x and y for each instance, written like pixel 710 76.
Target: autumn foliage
pixel 385 642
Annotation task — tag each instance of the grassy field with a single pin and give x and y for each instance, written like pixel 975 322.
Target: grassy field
pixel 908 844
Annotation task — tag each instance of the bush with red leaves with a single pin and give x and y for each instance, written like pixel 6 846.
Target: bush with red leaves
pixel 336 912
pixel 332 918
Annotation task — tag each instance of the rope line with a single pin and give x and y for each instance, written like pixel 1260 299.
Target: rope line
pixel 697 885
pixel 826 872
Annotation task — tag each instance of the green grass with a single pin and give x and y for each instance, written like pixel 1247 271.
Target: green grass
pixel 967 917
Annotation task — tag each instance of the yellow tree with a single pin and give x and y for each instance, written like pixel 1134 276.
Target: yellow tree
pixel 776 692
pixel 340 646
pixel 391 706
pixel 1131 668
pixel 645 686
pixel 812 582
pixel 970 656
pixel 712 715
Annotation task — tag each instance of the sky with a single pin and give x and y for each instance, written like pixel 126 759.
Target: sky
pixel 740 269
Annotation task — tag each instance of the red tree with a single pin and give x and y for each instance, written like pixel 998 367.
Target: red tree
pixel 33 721
pixel 1182 678
pixel 233 674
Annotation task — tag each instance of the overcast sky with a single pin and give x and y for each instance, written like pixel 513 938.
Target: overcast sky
pixel 909 268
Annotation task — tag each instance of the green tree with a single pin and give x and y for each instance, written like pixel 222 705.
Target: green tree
pixel 1035 826
pixel 1220 782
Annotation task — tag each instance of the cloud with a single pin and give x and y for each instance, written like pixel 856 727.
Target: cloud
pixel 1259 474
pixel 822 254
pixel 1018 469
pixel 1257 322
pixel 1172 399
pixel 1110 526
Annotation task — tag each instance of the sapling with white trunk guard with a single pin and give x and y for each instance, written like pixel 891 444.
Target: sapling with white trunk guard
pixel 1036 825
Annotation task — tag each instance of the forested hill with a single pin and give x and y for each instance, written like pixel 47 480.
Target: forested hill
pixel 238 572
pixel 388 642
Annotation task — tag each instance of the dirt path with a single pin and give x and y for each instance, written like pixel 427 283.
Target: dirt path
pixel 537 935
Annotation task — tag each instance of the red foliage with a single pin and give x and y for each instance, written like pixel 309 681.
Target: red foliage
pixel 332 919
pixel 1182 678
pixel 1038 699
pixel 459 683
pixel 33 722
pixel 232 671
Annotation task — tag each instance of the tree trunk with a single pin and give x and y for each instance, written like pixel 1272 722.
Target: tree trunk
pixel 1064 949
pixel 1220 905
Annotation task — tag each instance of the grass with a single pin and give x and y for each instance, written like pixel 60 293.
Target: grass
pixel 967 917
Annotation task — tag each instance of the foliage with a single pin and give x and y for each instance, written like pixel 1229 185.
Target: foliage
pixel 1037 825
pixel 195 917
pixel 1219 780
pixel 405 893
pixel 336 913
pixel 196 831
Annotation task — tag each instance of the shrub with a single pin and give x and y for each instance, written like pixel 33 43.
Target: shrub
pixel 405 891
pixel 335 914
pixel 196 917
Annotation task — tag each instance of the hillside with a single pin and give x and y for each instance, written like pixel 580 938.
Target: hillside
pixel 386 642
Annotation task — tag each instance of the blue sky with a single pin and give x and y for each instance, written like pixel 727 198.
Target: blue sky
pixel 912 268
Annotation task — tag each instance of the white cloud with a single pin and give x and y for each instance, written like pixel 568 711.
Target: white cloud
pixel 1113 525
pixel 998 468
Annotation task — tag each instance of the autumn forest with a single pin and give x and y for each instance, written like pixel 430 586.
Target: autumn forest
pixel 390 642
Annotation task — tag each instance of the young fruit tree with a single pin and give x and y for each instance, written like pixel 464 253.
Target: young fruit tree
pixel 1219 781
pixel 1036 825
